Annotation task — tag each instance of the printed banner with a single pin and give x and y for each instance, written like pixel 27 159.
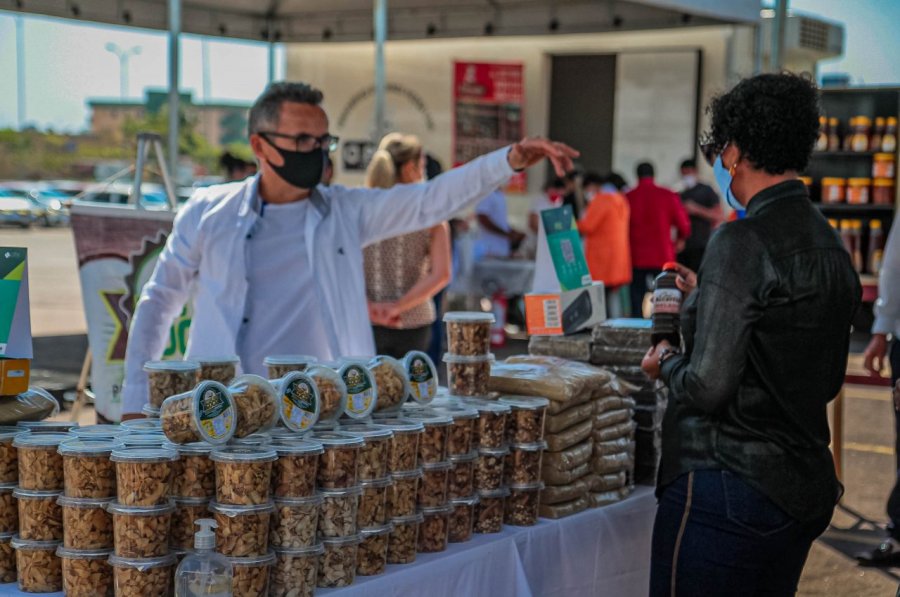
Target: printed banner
pixel 117 249
pixel 488 106
pixel 15 322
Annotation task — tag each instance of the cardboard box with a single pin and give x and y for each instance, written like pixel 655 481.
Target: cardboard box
pixel 543 314
pixel 14 376
pixel 583 308
pixel 15 316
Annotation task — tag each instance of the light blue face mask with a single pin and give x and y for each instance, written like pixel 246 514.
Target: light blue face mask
pixel 724 178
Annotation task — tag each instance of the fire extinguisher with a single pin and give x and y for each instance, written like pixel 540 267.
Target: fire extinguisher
pixel 499 307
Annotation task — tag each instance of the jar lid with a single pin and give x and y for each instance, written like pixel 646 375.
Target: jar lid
pixel 152 412
pixel 415 473
pixel 383 529
pixel 25 544
pixel 458 412
pixel 486 494
pixel 7 535
pixel 859 182
pixel 71 502
pixel 456 359
pixel 437 466
pixel 232 511
pixel 486 451
pixel 378 483
pixel 298 447
pixel 52 426
pixel 469 317
pixel 833 181
pixel 409 518
pixel 194 449
pixel 883 157
pixel 310 550
pixel 8 487
pixel 368 431
pixel 534 486
pixel 234 454
pixel 36 494
pixel 530 446
pixel 40 440
pixel 254 440
pixel 340 541
pixel 337 439
pixel 142 564
pixel 462 458
pixel 144 455
pixel 422 376
pixel 489 406
pixel 401 426
pixel 214 411
pixel 98 431
pixel 299 501
pixel 146 440
pixel 883 182
pixel 525 402
pixel 430 419
pixel 341 492
pixel 299 403
pixel 83 554
pixel 89 447
pixel 156 510
pixel 264 560
pixel 11 431
pixel 362 393
pixel 190 500
pixel 465 501
pixel 432 510
pixel 289 359
pixel 172 366
pixel 218 360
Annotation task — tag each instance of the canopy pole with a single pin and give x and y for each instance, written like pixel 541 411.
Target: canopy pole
pixel 174 63
pixel 20 72
pixel 778 34
pixel 380 19
pixel 270 35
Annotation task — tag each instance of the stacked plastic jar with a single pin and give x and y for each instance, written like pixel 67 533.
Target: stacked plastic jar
pixel 522 475
pixel 469 357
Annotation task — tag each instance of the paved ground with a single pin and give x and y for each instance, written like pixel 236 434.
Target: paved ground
pixel 59 327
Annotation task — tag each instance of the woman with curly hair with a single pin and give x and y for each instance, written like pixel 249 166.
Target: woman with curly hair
pixel 747 481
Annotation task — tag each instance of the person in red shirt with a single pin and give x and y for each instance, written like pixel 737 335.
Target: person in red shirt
pixel 655 211
pixel 604 227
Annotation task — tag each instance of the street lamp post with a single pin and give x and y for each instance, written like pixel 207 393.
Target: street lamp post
pixel 123 55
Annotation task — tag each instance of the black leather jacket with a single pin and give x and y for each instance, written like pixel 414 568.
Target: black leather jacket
pixel 767 335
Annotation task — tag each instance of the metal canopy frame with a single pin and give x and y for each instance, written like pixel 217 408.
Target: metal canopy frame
pixel 306 21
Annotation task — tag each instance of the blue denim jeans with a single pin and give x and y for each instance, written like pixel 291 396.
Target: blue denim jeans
pixel 716 535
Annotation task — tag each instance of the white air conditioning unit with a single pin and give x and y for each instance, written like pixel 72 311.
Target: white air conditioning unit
pixel 807 40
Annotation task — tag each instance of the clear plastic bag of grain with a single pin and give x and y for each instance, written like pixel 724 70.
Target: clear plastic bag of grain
pixel 9 509
pixel 87 469
pixel 299 402
pixel 373 457
pixel 295 522
pixel 403 540
pixel 490 510
pixel 462 518
pixel 242 530
pixel 144 475
pixel 294 473
pixel 469 332
pixel 295 571
pixel 243 475
pixel 332 393
pixel 38 568
pixel 194 473
pixel 339 463
pixel 170 378
pixel 523 463
pixel 40 517
pixel 257 404
pixel 403 448
pixel 280 365
pixel 87 524
pixel 490 432
pixel 372 557
pixel 434 532
pixel 9 454
pixel 251 575
pixel 188 510
pixel 523 504
pixel 337 564
pixel 433 442
pixel 206 413
pixel 489 468
pixel 434 484
pixel 222 369
pixel 468 376
pixel 86 573
pixel 40 464
pixel 403 493
pixel 525 424
pixel 141 531
pixel 391 382
pixel 143 577
pixel 422 376
pixel 462 475
pixel 372 511
pixel 337 517
pixel 7 558
pixel 461 434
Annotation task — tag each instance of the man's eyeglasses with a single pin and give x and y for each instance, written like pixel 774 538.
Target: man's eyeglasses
pixel 303 142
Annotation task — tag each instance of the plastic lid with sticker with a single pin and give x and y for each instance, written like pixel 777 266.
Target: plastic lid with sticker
pixel 530 446
pixel 370 432
pixel 213 409
pixel 143 564
pixel 253 561
pixel 47 441
pixel 362 393
pixel 232 511
pixel 337 439
pixel 156 510
pixel 144 455
pixel 99 432
pixel 171 366
pixel 299 402
pixel 241 454
pixel 525 402
pixel 469 317
pixel 89 447
pixel 422 375
pixel 382 529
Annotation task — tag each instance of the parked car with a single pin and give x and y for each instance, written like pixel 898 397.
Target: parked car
pixel 49 206
pixel 16 210
pixel 153 196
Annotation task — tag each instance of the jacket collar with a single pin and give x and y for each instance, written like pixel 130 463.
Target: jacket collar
pixel 252 202
pixel 789 189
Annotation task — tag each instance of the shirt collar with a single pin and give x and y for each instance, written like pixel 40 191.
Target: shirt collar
pixel 253 202
pixel 789 189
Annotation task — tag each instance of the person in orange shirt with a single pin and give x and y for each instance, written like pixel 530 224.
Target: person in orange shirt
pixel 604 227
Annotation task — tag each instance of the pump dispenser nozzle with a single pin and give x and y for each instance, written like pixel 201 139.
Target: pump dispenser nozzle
pixel 205 538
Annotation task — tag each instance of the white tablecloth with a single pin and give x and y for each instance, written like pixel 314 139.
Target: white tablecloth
pixel 600 552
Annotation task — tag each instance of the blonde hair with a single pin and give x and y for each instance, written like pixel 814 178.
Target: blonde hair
pixel 395 150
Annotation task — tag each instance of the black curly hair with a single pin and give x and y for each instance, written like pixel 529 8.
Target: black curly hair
pixel 772 118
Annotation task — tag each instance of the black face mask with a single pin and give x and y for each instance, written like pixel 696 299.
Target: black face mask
pixel 301 169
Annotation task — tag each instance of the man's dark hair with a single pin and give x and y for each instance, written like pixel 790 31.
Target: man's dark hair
pixel 592 178
pixel 772 118
pixel 433 167
pixel 689 164
pixel 555 183
pixel 645 170
pixel 616 179
pixel 267 108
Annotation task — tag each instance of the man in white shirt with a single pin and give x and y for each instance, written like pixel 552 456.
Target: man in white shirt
pixel 496 237
pixel 275 262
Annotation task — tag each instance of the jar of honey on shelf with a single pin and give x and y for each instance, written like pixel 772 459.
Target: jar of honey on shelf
pixel 833 190
pixel 889 140
pixel 858 190
pixel 860 140
pixel 883 191
pixel 877 135
pixel 883 165
pixel 834 139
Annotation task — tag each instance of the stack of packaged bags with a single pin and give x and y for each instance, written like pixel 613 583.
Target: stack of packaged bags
pixel 586 403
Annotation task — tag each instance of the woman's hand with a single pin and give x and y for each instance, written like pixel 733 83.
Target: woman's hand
pixel 876 351
pixel 686 280
pixel 384 314
pixel 650 364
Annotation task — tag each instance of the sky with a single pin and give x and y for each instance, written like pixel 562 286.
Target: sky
pixel 66 62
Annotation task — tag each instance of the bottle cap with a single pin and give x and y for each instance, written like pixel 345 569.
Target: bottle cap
pixel 205 538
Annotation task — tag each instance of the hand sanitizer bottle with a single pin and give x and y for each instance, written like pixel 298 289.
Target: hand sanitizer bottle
pixel 204 573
